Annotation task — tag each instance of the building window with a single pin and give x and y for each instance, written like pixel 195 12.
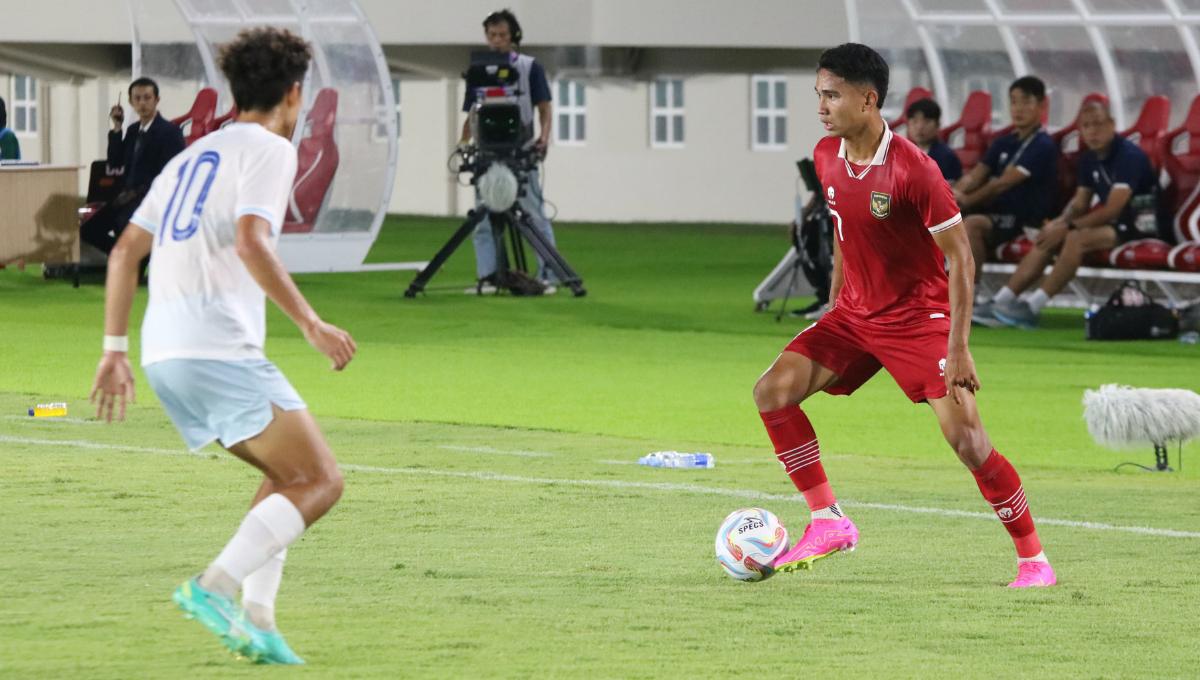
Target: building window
pixel 23 114
pixel 571 112
pixel 379 129
pixel 768 118
pixel 666 113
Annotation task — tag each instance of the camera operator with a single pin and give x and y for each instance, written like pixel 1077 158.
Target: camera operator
pixel 503 34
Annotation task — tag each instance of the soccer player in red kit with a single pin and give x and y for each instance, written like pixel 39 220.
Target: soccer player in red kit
pixel 894 308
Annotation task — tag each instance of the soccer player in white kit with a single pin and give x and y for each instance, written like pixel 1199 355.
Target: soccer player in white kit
pixel 212 220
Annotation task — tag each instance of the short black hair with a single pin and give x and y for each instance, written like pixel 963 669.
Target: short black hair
pixel 143 82
pixel 3 114
pixel 1030 85
pixel 505 15
pixel 859 64
pixel 262 64
pixel 926 107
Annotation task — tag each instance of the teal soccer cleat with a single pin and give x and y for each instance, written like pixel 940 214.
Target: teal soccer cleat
pixel 218 614
pixel 273 649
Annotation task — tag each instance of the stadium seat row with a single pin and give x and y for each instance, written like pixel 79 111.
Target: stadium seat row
pixel 1180 168
pixel 317 156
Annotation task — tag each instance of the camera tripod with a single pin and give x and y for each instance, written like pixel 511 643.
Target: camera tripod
pixel 516 222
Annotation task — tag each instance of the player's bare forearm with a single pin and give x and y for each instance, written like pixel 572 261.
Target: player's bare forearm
pixel 960 367
pixel 957 249
pixel 255 251
pixel 121 279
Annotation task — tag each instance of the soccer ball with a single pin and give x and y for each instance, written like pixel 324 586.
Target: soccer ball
pixel 748 542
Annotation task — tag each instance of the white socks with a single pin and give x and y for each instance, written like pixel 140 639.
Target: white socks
pixel 259 590
pixel 1005 295
pixel 1040 557
pixel 832 512
pixel 1037 300
pixel 268 528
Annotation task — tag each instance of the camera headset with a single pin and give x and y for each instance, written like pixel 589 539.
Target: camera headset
pixel 505 15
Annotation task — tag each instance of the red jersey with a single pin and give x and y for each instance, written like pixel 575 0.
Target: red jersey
pixel 884 215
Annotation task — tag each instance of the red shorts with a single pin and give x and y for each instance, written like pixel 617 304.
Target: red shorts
pixel 915 354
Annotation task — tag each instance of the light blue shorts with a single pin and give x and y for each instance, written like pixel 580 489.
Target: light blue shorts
pixel 229 401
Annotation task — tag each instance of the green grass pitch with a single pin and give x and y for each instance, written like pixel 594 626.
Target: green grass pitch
pixel 494 524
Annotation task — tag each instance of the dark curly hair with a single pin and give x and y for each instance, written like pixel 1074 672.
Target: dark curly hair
pixel 262 64
pixel 858 64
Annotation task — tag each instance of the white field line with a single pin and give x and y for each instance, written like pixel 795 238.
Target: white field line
pixel 72 421
pixel 745 494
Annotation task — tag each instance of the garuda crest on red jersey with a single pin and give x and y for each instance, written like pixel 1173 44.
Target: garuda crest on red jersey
pixel 881 205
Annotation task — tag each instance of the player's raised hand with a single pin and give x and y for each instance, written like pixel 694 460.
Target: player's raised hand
pixel 331 341
pixel 960 373
pixel 113 385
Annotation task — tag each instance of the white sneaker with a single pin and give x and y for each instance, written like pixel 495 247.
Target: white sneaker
pixel 816 314
pixel 549 288
pixel 483 287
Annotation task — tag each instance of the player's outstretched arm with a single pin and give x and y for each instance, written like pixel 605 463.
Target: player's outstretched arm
pixel 114 377
pixel 960 367
pixel 254 249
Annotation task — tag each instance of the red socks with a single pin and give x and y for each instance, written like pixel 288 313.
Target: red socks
pixel 1001 486
pixel 796 447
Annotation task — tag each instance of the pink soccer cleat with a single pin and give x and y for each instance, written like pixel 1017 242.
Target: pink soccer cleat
pixel 1034 575
pixel 823 537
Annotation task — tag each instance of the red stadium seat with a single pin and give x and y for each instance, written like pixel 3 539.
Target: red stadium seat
pixel 1151 125
pixel 221 121
pixel 1185 257
pixel 975 124
pixel 914 95
pixel 317 162
pixel 1146 253
pixel 199 119
pixel 1183 169
pixel 1014 250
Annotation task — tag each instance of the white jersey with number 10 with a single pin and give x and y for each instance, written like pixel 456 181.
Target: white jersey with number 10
pixel 203 302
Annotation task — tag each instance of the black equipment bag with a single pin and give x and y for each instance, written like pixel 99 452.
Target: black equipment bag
pixel 813 237
pixel 1131 314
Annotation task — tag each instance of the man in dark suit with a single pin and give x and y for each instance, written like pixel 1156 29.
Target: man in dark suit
pixel 144 150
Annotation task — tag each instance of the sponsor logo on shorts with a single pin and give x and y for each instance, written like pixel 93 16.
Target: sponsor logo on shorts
pixel 881 205
pixel 829 193
pixel 942 367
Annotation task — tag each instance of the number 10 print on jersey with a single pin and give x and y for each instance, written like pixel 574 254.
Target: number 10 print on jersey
pixel 184 196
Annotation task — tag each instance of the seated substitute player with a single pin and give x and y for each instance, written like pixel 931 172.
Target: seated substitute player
pixel 213 219
pixel 923 119
pixel 1013 187
pixel 1118 174
pixel 894 308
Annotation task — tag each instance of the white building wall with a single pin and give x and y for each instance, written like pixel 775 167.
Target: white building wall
pixel 423 185
pixel 616 175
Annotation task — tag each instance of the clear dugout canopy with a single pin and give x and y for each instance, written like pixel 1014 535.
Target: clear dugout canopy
pixel 1127 49
pixel 177 45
